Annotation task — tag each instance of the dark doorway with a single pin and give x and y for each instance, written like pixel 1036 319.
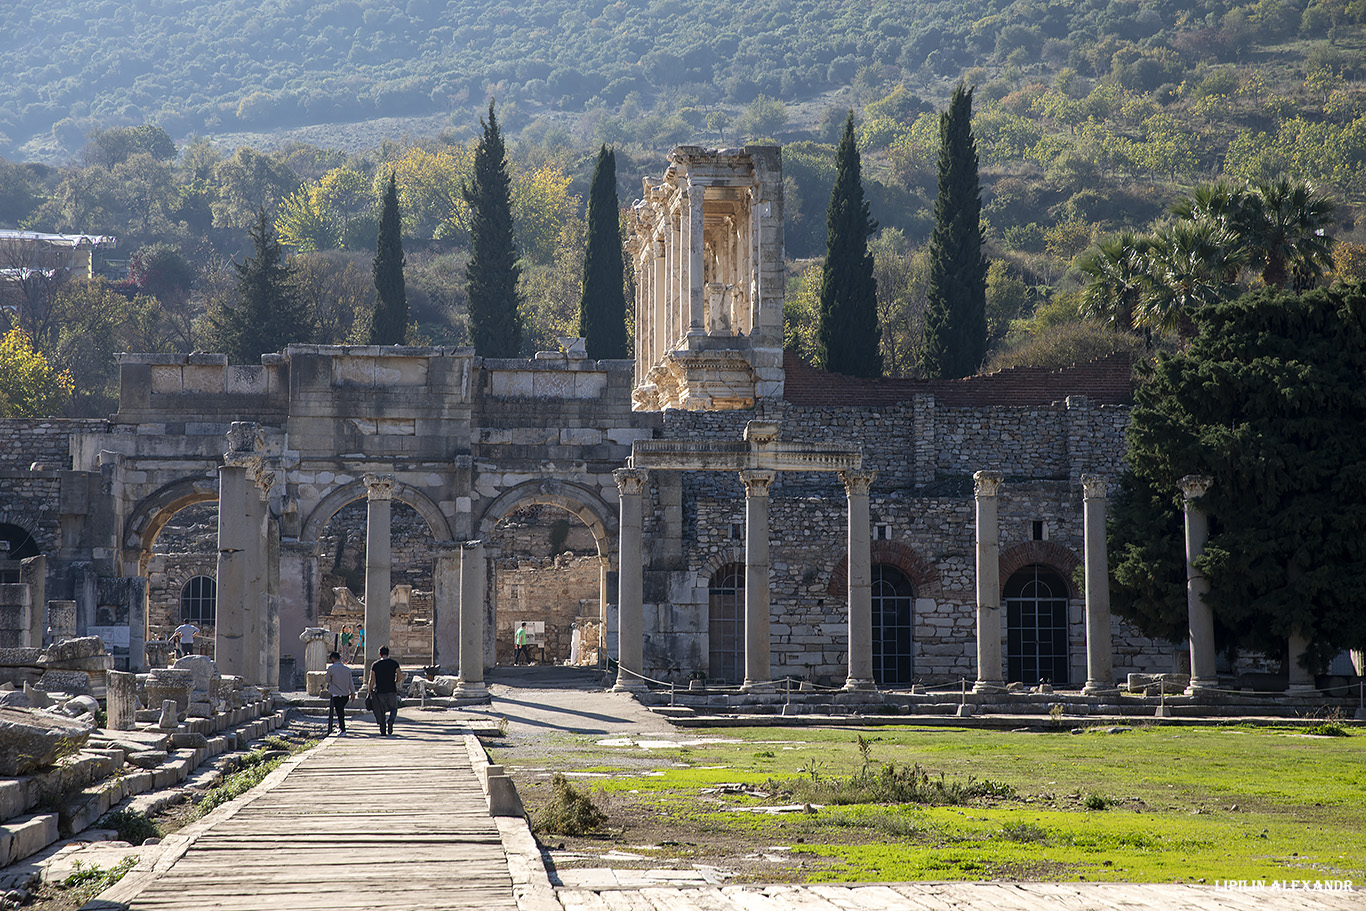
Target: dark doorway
pixel 726 624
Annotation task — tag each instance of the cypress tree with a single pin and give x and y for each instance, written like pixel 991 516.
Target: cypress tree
pixel 956 311
pixel 602 309
pixel 495 327
pixel 847 332
pixel 268 313
pixel 389 325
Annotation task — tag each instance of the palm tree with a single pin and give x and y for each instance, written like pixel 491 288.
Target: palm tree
pixel 1284 226
pixel 1220 203
pixel 1119 273
pixel 1190 265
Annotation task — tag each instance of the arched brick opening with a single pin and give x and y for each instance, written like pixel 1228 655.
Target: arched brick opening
pixel 923 573
pixel 1046 553
pixel 151 515
pixel 356 490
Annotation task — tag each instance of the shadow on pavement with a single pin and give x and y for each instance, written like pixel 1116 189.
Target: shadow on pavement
pixel 545 677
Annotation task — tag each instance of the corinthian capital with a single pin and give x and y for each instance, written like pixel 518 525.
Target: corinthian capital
pixel 757 482
pixel 1093 486
pixel 857 481
pixel 379 486
pixel 630 481
pixel 1194 485
pixel 986 483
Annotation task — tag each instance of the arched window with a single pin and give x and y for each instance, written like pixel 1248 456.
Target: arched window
pixel 726 624
pixel 893 626
pixel 199 600
pixel 1036 626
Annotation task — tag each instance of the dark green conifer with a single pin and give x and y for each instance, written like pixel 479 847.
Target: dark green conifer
pixel 492 272
pixel 268 313
pixel 389 325
pixel 847 333
pixel 602 309
pixel 956 310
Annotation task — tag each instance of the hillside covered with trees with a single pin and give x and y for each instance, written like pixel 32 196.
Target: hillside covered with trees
pixel 173 125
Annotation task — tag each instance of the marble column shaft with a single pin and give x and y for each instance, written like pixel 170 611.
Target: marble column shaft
pixel 472 580
pixel 758 657
pixel 446 611
pixel 630 609
pixel 856 485
pixel 1299 679
pixel 696 257
pixel 235 550
pixel 379 493
pixel 1199 615
pixel 1100 662
pixel 989 676
pixel 121 696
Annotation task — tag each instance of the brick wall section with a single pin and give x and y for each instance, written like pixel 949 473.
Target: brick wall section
pixel 24 441
pixel 1108 381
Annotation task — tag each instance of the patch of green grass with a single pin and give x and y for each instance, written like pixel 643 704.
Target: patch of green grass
pixel 887 784
pixel 84 883
pixel 133 826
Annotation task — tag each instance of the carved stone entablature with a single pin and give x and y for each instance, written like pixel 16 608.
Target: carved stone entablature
pixel 723 380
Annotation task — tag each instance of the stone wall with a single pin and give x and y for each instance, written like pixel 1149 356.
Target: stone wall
pixel 47 441
pixel 559 591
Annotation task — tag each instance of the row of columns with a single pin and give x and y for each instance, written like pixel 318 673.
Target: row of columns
pixel 758 655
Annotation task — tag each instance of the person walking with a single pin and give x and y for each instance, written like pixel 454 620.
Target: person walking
pixel 385 676
pixel 185 634
pixel 520 653
pixel 346 639
pixel 340 689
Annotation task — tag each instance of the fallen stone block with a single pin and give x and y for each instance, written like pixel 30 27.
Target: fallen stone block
pixel 30 739
pixel 148 759
pixel 72 650
pixel 75 683
pixel 27 836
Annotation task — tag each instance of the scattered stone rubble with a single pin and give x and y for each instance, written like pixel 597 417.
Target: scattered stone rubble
pixel 59 772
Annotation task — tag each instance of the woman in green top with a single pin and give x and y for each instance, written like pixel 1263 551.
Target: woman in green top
pixel 347 637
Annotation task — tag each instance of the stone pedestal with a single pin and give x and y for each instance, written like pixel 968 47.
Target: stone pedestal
pixel 169 720
pixel 856 485
pixel 630 609
pixel 1300 680
pixel 758 659
pixel 1100 673
pixel 379 493
pixel 315 682
pixel 472 576
pixel 1200 617
pixel 989 673
pixel 120 700
pixel 61 621
pixel 317 641
pixel 170 684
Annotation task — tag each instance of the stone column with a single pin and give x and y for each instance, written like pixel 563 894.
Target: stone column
pixel 856 484
pixel 758 658
pixel 235 552
pixel 1201 619
pixel 446 611
pixel 472 572
pixel 269 591
pixel 1100 662
pixel 379 494
pixel 1300 680
pixel 298 595
pixel 659 326
pixel 120 700
pixel 989 676
pixel 694 259
pixel 317 643
pixel 630 610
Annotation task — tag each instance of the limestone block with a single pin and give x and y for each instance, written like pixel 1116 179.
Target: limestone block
pixel 580 436
pixel 208 379
pixel 175 684
pixel 314 681
pixel 76 683
pixel 509 383
pixel 199 710
pixel 71 650
pixel 246 380
pixel 30 739
pixel 81 705
pixel 148 759
pixel 589 384
pixel 166 379
pixel 24 837
pixel 203 672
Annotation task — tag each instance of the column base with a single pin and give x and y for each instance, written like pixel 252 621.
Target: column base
pixel 860 684
pixel 758 686
pixel 1099 688
pixel 1302 689
pixel 1202 686
pixel 989 686
pixel 629 683
pixel 1360 715
pixel 472 691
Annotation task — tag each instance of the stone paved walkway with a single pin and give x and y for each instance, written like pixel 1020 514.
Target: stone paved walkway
pixel 361 822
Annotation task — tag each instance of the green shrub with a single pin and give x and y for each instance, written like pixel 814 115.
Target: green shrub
pixel 569 812
pixel 1096 802
pixel 888 784
pixel 133 826
pixel 1327 730
pixel 87 882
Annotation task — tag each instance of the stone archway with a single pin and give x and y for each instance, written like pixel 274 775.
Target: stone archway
pixel 540 587
pixel 355 490
pixel 150 516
